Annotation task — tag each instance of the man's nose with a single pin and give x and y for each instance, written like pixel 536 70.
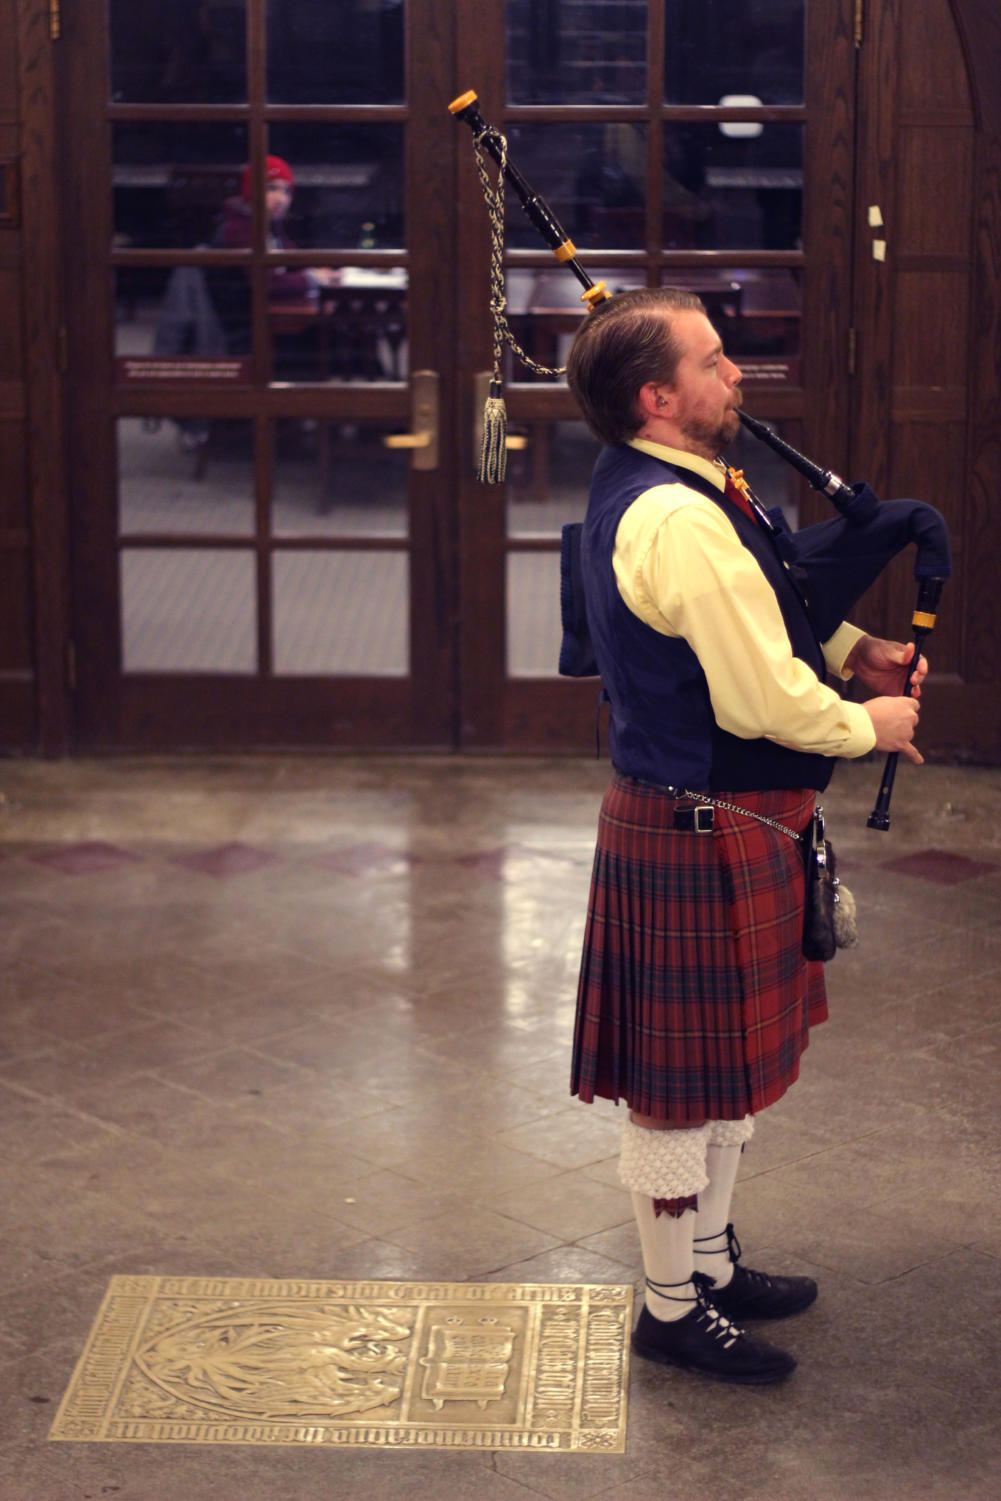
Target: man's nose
pixel 736 374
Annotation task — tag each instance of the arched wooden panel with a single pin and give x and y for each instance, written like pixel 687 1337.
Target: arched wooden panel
pixel 921 405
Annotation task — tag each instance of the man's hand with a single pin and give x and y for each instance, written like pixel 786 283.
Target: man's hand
pixel 895 720
pixel 882 666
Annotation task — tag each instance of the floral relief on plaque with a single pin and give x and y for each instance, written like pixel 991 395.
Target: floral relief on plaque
pixel 269 1360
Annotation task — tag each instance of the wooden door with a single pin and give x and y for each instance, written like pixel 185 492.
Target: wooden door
pixel 707 145
pixel 256 219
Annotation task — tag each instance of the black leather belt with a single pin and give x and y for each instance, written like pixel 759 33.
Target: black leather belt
pixel 697 820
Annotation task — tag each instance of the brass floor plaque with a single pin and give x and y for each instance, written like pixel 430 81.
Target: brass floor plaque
pixel 450 1365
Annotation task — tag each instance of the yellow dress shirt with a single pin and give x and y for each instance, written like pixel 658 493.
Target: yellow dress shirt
pixel 682 569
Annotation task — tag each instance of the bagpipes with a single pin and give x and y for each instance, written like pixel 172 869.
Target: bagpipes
pixel 833 562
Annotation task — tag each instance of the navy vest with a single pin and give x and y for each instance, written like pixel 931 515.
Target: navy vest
pixel 662 727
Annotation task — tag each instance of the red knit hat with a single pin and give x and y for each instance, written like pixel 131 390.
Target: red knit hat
pixel 276 170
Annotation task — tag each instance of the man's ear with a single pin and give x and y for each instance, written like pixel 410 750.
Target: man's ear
pixel 654 400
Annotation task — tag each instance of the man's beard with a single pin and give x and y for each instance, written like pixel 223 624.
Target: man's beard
pixel 711 438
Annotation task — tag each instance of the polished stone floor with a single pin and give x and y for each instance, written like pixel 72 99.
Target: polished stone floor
pixel 310 1017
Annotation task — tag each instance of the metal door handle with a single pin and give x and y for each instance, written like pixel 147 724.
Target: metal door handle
pixel 424 408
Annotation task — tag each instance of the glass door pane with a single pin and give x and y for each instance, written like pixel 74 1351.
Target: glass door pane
pixel 177 54
pixel 348 53
pixel 742 52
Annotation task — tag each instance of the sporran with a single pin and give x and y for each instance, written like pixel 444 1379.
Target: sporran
pixel 829 909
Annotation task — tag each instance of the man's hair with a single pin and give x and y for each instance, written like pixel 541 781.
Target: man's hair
pixel 625 342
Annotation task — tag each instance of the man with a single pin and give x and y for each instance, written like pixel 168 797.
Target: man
pixel 235 232
pixel 695 1000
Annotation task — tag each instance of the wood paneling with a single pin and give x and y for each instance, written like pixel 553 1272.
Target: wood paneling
pixel 828 227
pixel 11 342
pixel 18 723
pixel 979 29
pixel 935 167
pixel 15 625
pixel 926 401
pixel 42 312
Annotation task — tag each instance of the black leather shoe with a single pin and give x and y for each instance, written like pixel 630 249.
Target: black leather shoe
pixel 753 1295
pixel 705 1341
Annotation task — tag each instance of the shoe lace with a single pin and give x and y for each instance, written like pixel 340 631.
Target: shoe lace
pixel 731 1250
pixel 749 1277
pixel 756 1279
pixel 714 1322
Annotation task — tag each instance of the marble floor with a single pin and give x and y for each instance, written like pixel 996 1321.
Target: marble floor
pixel 310 1017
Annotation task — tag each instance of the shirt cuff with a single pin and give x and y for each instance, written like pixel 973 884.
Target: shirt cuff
pixel 861 734
pixel 838 647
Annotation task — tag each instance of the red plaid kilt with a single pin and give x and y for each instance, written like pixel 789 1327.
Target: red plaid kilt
pixel 694 1000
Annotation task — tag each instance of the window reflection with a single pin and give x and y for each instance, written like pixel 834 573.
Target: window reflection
pixel 593 52
pixel 720 191
pixel 757 311
pixel 722 47
pixel 348 184
pixel 172 181
pixel 725 192
pixel 350 52
pixel 323 186
pixel 187 52
pixel 185 475
pixel 544 309
pixel 338 479
pixel 182 313
pixel 592 176
pixel 183 186
pixel 352 328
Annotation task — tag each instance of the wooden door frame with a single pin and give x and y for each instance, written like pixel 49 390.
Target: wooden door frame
pixel 44 376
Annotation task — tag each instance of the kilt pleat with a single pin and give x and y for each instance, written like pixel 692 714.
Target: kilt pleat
pixel 694 998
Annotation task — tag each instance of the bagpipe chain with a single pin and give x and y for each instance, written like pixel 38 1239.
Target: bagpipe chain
pixel 493 448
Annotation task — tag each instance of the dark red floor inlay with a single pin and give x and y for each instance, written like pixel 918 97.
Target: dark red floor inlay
pixel 85 859
pixel 943 866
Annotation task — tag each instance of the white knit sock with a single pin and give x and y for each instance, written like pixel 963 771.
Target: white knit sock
pixel 663 1168
pixel 664 1164
pixel 667 1259
pixel 726 1142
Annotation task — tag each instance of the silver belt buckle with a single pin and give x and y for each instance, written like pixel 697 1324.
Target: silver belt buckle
pixel 704 818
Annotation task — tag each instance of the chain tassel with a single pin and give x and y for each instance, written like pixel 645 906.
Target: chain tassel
pixel 492 466
pixel 493 449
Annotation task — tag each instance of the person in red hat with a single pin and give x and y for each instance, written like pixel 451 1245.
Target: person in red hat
pixel 285 284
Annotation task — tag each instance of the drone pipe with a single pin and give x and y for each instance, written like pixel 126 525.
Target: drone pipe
pixel 466 109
